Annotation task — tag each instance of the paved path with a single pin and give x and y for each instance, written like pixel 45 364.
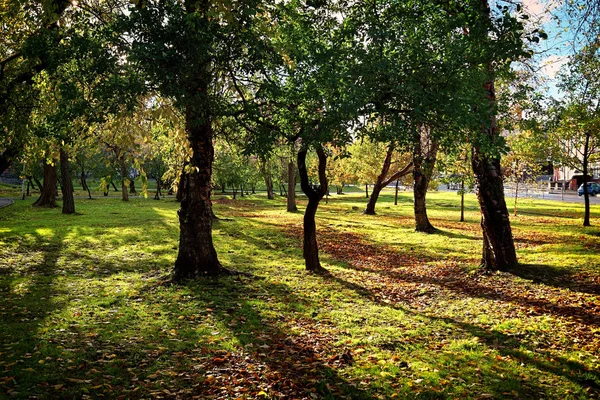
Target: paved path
pixel 5 202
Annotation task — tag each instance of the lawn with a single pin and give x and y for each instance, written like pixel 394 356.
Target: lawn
pixel 86 313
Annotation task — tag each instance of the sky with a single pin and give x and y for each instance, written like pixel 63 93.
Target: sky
pixel 552 53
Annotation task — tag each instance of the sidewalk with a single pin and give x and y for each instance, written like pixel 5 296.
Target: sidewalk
pixel 6 202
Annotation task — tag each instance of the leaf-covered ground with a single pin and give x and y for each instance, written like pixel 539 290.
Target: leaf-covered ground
pixel 402 314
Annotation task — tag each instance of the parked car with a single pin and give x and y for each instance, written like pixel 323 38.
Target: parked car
pixel 592 188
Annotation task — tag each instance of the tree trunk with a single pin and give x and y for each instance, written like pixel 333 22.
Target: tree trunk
pixel 387 162
pixel 586 195
pixel 266 173
pixel 366 190
pixel 310 248
pixel 383 180
pixel 124 193
pixel 38 183
pixel 424 157
pixel 67 186
pixel 197 254
pixel 48 193
pixel 181 184
pixel 291 197
pixel 158 194
pixel 498 246
pixel 132 186
pixel 114 186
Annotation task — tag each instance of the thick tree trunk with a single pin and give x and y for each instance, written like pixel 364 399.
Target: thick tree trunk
pixel 197 255
pixel 498 245
pixel 291 193
pixel 124 193
pixel 424 157
pixel 586 195
pixel 310 248
pixel 67 186
pixel 48 194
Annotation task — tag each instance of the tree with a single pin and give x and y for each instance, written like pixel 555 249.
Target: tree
pixel 576 123
pixel 524 160
pixel 402 167
pixel 502 36
pixel 456 167
pixel 191 52
pixel 425 150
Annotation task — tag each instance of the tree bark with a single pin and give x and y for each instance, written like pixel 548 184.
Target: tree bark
pixel 498 246
pixel 291 196
pixel 366 190
pixel 181 184
pixel 67 186
pixel 266 173
pixel 383 181
pixel 158 193
pixel 424 157
pixel 396 194
pixel 315 194
pixel 48 194
pixel 132 187
pixel 38 183
pixel 197 255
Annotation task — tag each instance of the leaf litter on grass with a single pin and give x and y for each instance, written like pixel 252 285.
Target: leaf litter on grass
pixel 390 321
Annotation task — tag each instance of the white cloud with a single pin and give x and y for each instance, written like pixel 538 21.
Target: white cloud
pixel 551 65
pixel 540 9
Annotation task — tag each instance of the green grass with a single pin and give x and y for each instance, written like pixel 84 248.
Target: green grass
pixel 84 313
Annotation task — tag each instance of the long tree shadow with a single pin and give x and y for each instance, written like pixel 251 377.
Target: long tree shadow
pixel 27 285
pixel 283 353
pixel 557 277
pixel 366 257
pixel 511 348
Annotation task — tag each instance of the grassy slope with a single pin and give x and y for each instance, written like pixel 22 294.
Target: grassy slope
pixel 84 313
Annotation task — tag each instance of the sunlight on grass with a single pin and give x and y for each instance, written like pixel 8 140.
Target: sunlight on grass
pixel 402 313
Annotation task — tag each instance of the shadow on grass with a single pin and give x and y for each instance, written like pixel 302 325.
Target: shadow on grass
pixel 283 352
pixel 556 277
pixel 496 373
pixel 29 296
